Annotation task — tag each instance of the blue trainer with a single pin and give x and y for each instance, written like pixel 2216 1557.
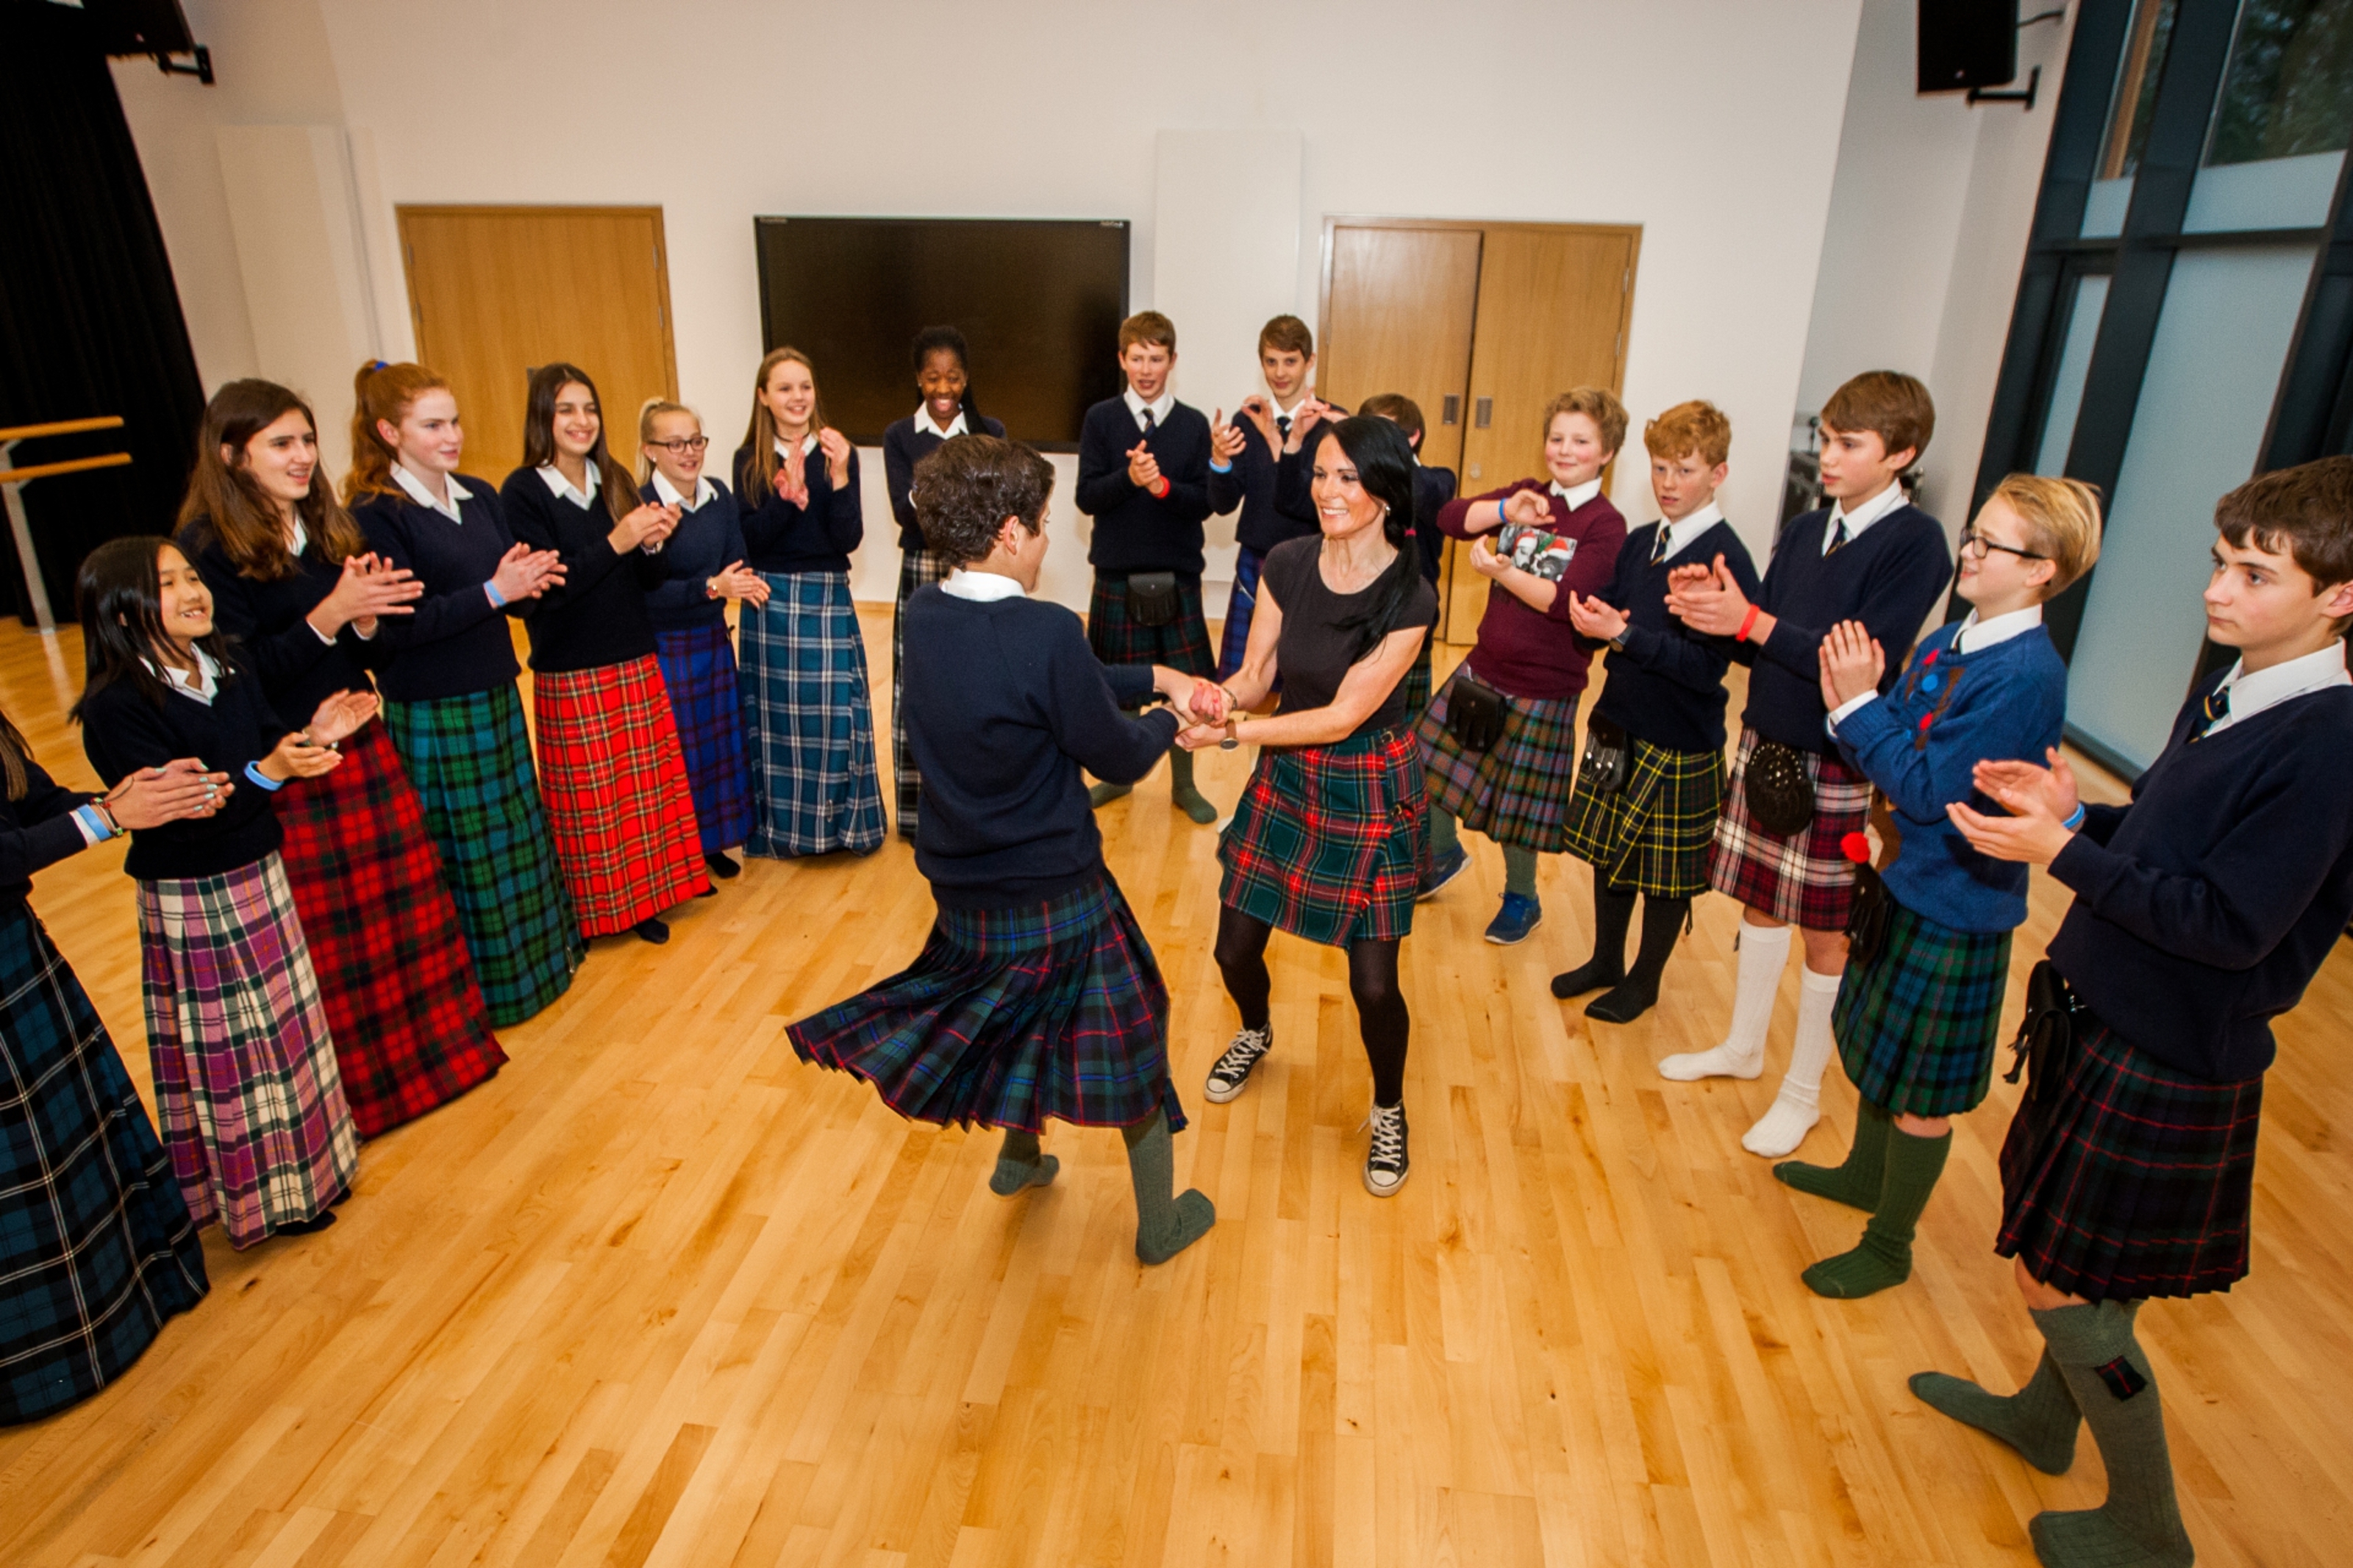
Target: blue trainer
pixel 1513 922
pixel 1442 871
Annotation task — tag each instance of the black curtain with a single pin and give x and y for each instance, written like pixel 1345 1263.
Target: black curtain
pixel 89 319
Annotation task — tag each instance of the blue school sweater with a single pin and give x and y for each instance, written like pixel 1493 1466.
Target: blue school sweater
pixel 708 540
pixel 784 538
pixel 1273 512
pixel 1946 713
pixel 1666 680
pixel 457 642
pixel 1137 530
pixel 2204 908
pixel 1888 578
pixel 904 445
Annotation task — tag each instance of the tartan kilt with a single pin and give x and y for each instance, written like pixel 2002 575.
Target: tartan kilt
pixel 97 1249
pixel 1917 1029
pixel 698 670
pixel 1652 835
pixel 245 1081
pixel 1326 841
pixel 618 799
pixel 469 758
pixel 2140 1183
pixel 1417 681
pixel 1803 881
pixel 1011 1017
pixel 808 720
pixel 1233 636
pixel 917 568
pixel 1117 637
pixel 410 1028
pixel 1516 792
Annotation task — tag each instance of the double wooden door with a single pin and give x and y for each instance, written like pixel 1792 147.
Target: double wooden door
pixel 1482 324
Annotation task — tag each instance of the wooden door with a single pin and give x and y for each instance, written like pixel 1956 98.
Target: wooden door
pixel 495 291
pixel 1398 307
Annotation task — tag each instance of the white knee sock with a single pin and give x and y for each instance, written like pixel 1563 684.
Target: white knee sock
pixel 1798 1105
pixel 1764 951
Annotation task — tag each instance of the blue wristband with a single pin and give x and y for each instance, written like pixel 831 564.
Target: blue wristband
pixel 2075 821
pixel 253 771
pixel 498 600
pixel 1222 467
pixel 93 824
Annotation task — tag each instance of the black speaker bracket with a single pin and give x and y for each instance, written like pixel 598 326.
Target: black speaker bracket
pixel 2059 14
pixel 2034 81
pixel 202 71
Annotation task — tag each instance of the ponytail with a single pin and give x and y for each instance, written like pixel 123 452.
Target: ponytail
pixel 381 392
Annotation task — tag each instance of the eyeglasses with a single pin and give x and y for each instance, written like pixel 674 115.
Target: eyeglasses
pixel 1972 540
pixel 683 445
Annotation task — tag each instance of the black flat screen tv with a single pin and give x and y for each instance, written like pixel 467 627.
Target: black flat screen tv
pixel 1039 301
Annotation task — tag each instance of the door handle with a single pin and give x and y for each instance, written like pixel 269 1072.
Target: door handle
pixel 1486 415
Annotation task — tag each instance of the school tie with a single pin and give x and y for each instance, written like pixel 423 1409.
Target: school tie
pixel 1148 420
pixel 2216 709
pixel 1282 425
pixel 1838 534
pixel 1659 549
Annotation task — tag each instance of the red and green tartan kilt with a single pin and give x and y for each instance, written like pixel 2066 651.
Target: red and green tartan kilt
pixel 1652 835
pixel 1117 637
pixel 1515 792
pixel 2138 1184
pixel 410 1028
pixel 618 806
pixel 1805 880
pixel 1916 1028
pixel 698 670
pixel 1010 1017
pixel 1326 841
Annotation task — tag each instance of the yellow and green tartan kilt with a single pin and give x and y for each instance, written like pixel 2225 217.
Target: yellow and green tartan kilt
pixel 1651 836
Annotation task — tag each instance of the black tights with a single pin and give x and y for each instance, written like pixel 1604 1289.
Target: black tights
pixel 1372 982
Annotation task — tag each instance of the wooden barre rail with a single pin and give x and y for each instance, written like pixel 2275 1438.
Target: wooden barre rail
pixel 70 466
pixel 62 427
pixel 13 479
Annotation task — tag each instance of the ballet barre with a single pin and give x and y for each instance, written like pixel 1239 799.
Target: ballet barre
pixel 14 479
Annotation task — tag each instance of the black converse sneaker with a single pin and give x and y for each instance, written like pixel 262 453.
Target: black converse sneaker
pixel 1232 1073
pixel 1386 1164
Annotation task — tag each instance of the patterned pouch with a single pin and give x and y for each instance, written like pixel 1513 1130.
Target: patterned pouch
pixel 1780 791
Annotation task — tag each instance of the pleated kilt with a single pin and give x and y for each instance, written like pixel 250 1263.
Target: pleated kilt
pixel 1326 841
pixel 2139 1184
pixel 1417 682
pixel 1651 836
pixel 618 800
pixel 917 568
pixel 808 720
pixel 1916 1028
pixel 1118 637
pixel 698 670
pixel 410 1027
pixel 469 760
pixel 97 1249
pixel 1805 880
pixel 245 1081
pixel 1233 636
pixel 1010 1017
pixel 1516 791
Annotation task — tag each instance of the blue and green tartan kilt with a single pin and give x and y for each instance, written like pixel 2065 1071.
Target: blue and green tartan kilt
pixel 1917 1027
pixel 1326 841
pixel 469 758
pixel 1010 1017
pixel 97 1249
pixel 698 667
pixel 1516 791
pixel 808 720
pixel 1651 836
pixel 1117 637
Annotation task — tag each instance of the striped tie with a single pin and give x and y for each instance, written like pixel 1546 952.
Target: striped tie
pixel 2216 708
pixel 1838 534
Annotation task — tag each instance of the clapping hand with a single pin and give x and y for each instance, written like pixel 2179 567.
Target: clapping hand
pixel 1708 600
pixel 2011 783
pixel 645 527
pixel 370 587
pixel 1595 617
pixel 1853 663
pixel 153 796
pixel 836 448
pixel 1225 440
pixel 1143 468
pixel 737 580
pixel 526 574
pixel 339 715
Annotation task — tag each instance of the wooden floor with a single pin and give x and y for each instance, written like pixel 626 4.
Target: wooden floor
pixel 658 1294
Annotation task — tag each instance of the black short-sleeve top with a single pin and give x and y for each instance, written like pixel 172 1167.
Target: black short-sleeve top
pixel 1317 649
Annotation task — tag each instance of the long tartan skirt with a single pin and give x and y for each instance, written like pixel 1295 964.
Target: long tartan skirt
pixel 1651 836
pixel 808 720
pixel 698 669
pixel 2139 1183
pixel 410 1027
pixel 469 758
pixel 97 1249
pixel 1516 791
pixel 245 1081
pixel 1011 1017
pixel 1917 1026
pixel 917 568
pixel 1804 879
pixel 618 800
pixel 1326 840
pixel 1118 637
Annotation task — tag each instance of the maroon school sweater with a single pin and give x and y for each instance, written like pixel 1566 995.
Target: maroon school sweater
pixel 1532 653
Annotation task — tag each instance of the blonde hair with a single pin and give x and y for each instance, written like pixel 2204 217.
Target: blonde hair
pixel 1687 427
pixel 381 392
pixel 1598 404
pixel 2062 522
pixel 653 409
pixel 759 475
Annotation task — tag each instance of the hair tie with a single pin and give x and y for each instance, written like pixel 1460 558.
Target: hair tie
pixel 380 364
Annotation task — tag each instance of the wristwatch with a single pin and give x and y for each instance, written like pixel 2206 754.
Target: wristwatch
pixel 1233 737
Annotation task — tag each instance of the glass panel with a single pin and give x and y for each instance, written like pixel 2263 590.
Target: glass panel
pixel 2074 363
pixel 2130 104
pixel 2280 121
pixel 2213 374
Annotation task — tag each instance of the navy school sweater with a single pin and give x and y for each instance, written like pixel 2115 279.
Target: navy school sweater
pixel 708 540
pixel 35 831
pixel 298 671
pixel 1888 578
pixel 1134 530
pixel 456 643
pixel 1273 509
pixel 1666 680
pixel 2204 908
pixel 1006 704
pixel 596 616
pixel 781 537
pixel 904 445
pixel 122 730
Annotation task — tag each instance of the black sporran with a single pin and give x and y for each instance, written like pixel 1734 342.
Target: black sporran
pixel 2046 1039
pixel 1780 791
pixel 1867 917
pixel 1609 759
pixel 1475 712
pixel 1151 598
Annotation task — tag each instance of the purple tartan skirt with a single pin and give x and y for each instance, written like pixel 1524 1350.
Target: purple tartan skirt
pixel 1010 1017
pixel 697 666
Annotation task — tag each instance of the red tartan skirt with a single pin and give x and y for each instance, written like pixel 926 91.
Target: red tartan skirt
pixel 618 804
pixel 409 1025
pixel 1806 878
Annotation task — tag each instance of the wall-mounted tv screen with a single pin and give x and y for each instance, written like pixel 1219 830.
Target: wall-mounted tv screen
pixel 1039 301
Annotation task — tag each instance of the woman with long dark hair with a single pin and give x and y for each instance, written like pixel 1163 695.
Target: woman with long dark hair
pixel 294 582
pixel 609 764
pixel 1325 841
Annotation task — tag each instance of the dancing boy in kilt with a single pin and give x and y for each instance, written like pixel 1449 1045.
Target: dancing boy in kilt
pixel 1036 996
pixel 2202 910
pixel 1644 821
pixel 1917 1013
pixel 1791 801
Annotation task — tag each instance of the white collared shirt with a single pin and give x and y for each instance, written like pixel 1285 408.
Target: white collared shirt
pixel 562 487
pixel 2267 689
pixel 981 587
pixel 1680 535
pixel 425 497
pixel 1861 516
pixel 1976 636
pixel 201 687
pixel 1159 407
pixel 957 426
pixel 1579 496
pixel 789 451
pixel 669 494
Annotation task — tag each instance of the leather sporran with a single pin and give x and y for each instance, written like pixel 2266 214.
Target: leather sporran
pixel 1867 917
pixel 1780 792
pixel 2054 1019
pixel 1609 759
pixel 1475 712
pixel 1151 598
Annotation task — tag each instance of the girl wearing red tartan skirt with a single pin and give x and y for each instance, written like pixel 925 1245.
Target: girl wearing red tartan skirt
pixel 610 767
pixel 245 1081
pixel 293 581
pixel 1328 835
